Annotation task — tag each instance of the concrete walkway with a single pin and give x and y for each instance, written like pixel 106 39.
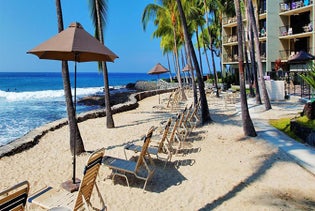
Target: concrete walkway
pixel 303 154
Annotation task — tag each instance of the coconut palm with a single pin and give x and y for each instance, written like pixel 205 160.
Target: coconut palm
pixel 248 126
pixel 75 136
pixel 205 115
pixel 195 19
pixel 165 18
pixel 258 58
pixel 98 9
pixel 211 10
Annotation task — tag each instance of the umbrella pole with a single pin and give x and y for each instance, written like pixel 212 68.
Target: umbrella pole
pixel 157 86
pixel 72 185
pixel 75 116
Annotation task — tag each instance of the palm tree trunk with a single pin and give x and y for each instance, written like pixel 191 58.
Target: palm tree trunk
pixel 205 115
pixel 258 58
pixel 215 74
pixel 193 82
pixel 248 126
pixel 183 95
pixel 169 67
pixel 207 59
pixel 199 51
pixel 75 136
pixel 254 67
pixel 109 116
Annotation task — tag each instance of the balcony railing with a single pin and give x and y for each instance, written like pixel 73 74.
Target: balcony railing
pixel 289 30
pixel 230 39
pixel 228 20
pixel 230 58
pixel 294 5
pixel 287 54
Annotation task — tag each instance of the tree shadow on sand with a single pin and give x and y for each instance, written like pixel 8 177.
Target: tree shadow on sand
pixel 265 166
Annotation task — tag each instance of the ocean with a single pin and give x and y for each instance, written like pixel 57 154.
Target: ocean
pixel 31 99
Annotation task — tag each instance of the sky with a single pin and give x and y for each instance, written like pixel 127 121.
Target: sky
pixel 26 24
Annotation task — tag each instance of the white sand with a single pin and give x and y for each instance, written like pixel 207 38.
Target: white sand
pixel 229 172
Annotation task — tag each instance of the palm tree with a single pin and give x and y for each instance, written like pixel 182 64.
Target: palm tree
pixel 248 126
pixel 75 136
pixel 165 18
pixel 98 10
pixel 195 20
pixel 258 58
pixel 205 115
pixel 253 62
pixel 213 29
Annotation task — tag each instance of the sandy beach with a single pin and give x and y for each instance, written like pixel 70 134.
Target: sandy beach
pixel 223 170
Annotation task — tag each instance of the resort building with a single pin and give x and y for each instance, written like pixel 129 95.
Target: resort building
pixel 286 27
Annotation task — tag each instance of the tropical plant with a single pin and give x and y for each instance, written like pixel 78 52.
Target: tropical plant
pixel 248 126
pixel 213 36
pixel 98 9
pixel 257 53
pixel 309 76
pixel 205 115
pixel 75 136
pixel 165 18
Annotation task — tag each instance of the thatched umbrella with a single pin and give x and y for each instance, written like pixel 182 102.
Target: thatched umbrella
pixel 157 70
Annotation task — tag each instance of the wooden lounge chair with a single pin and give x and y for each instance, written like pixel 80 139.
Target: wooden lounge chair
pixel 181 129
pixel 140 168
pixel 15 197
pixel 153 150
pixel 49 198
pixel 174 99
pixel 190 121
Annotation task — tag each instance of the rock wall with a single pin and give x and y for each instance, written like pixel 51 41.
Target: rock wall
pixel 305 133
pixel 33 137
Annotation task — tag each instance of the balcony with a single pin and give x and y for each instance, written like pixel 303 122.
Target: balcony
pixel 229 21
pixel 228 58
pixel 291 32
pixel 294 7
pixel 287 54
pixel 230 40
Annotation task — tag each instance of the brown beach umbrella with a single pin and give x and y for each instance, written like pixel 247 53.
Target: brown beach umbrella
pixel 157 70
pixel 74 44
pixel 187 68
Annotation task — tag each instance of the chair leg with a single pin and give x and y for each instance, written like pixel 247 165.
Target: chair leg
pixel 120 174
pixel 101 198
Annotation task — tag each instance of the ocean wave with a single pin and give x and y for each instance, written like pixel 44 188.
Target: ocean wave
pixel 46 94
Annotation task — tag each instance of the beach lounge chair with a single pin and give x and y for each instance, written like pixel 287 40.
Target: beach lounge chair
pixel 174 99
pixel 191 121
pixel 153 150
pixel 50 198
pixel 15 197
pixel 140 168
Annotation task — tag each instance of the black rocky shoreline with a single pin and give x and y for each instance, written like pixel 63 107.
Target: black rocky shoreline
pixel 117 96
pixel 124 101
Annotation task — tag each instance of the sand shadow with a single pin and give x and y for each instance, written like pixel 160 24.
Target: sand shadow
pixel 267 164
pixel 299 201
pixel 162 179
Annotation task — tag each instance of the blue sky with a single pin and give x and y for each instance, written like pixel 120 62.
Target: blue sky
pixel 25 24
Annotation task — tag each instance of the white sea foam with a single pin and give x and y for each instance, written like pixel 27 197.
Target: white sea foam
pixel 45 94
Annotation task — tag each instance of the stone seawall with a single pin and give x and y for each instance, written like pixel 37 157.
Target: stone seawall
pixel 33 137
